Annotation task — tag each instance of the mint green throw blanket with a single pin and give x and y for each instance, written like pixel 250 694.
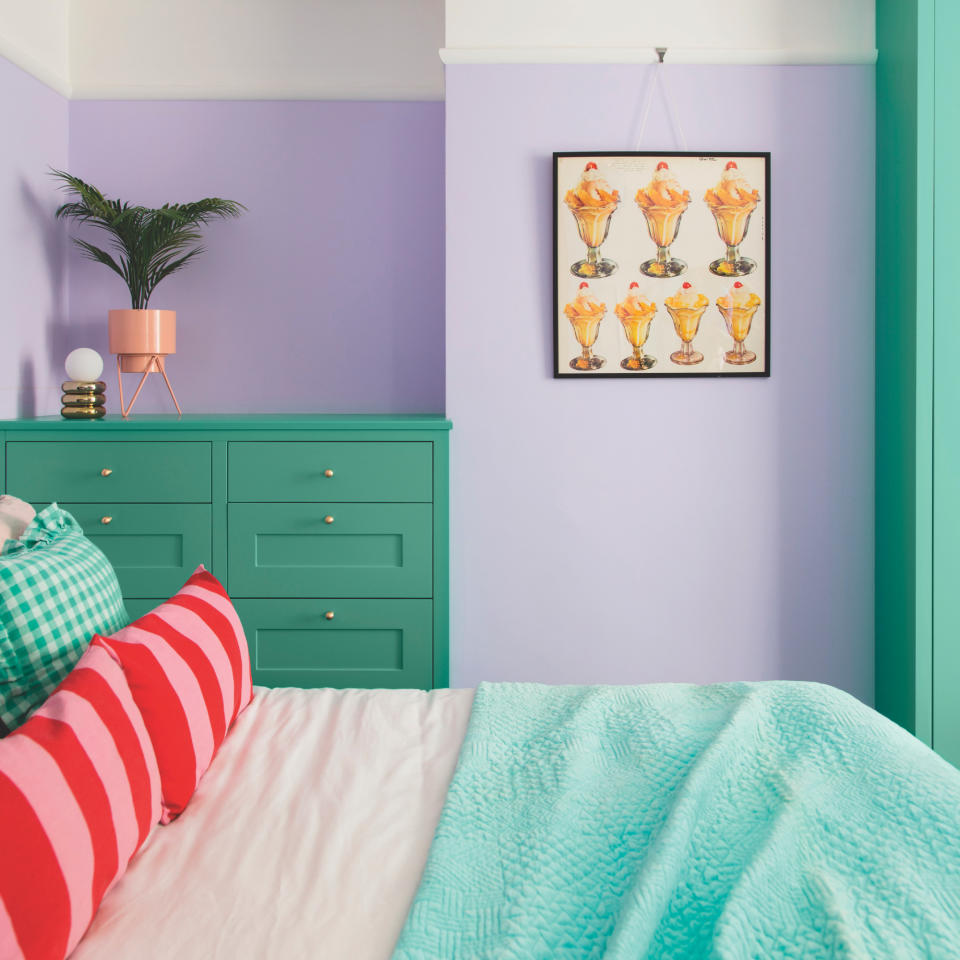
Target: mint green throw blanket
pixel 743 820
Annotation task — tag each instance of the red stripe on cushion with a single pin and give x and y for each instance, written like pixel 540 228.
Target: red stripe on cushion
pixel 192 654
pixel 204 578
pixel 219 600
pixel 42 925
pixel 97 692
pixel 165 718
pixel 60 741
pixel 222 627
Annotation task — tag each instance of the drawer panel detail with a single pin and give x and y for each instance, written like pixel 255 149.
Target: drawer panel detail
pixel 330 549
pixel 339 472
pixel 338 642
pixel 138 606
pixel 153 547
pixel 109 471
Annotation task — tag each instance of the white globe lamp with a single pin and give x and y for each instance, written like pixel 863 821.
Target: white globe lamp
pixel 84 365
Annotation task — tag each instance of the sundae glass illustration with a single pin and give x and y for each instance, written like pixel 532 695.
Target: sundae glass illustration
pixel 731 202
pixel 737 309
pixel 686 307
pixel 663 202
pixel 592 204
pixel 636 314
pixel 585 314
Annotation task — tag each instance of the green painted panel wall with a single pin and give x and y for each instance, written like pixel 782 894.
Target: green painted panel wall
pixel 946 389
pixel 904 351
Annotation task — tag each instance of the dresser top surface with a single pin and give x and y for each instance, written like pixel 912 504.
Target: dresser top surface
pixel 239 421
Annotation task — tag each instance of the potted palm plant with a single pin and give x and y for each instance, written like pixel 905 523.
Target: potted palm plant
pixel 149 245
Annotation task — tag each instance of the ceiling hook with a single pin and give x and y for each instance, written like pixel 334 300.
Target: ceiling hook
pixel 661 53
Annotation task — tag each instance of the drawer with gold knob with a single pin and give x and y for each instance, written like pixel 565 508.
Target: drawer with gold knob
pixel 336 471
pixel 322 549
pixel 153 547
pixel 339 643
pixel 94 471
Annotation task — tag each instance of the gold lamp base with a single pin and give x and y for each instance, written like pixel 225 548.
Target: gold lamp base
pixel 83 399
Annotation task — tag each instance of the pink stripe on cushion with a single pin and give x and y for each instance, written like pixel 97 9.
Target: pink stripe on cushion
pixel 182 685
pixel 36 775
pixel 10 948
pixel 192 627
pixel 63 744
pixel 39 910
pixel 99 679
pixel 65 775
pixel 186 687
pixel 185 658
pixel 228 639
pixel 165 720
pixel 207 590
pixel 100 746
pixel 129 733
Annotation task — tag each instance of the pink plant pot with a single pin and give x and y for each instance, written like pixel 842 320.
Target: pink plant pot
pixel 140 335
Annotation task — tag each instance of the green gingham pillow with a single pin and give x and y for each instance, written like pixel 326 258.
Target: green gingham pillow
pixel 56 591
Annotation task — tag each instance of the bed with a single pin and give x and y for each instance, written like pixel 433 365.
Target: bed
pixel 306 838
pixel 519 820
pixel 154 804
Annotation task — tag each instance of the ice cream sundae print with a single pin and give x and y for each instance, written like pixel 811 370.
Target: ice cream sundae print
pixel 737 308
pixel 636 314
pixel 592 202
pixel 585 313
pixel 686 308
pixel 732 202
pixel 663 202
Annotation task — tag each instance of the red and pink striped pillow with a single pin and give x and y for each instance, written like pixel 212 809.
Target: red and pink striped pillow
pixel 188 668
pixel 79 792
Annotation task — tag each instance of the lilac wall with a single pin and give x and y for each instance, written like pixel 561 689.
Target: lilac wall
pixel 32 272
pixel 667 530
pixel 327 295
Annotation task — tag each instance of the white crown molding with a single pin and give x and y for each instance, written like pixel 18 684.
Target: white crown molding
pixel 606 55
pixel 41 71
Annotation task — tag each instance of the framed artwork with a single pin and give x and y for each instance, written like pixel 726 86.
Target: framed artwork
pixel 661 264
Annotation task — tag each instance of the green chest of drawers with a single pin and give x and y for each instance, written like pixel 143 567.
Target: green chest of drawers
pixel 330 533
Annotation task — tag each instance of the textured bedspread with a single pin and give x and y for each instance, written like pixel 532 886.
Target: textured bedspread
pixel 769 820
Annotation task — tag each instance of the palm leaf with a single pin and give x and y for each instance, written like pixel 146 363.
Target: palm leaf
pixel 100 256
pixel 150 243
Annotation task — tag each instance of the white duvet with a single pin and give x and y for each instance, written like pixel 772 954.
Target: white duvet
pixel 305 839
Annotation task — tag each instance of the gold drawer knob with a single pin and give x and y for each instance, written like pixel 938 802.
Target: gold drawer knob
pixel 106 520
pixel 105 472
pixel 328 473
pixel 329 614
pixel 328 519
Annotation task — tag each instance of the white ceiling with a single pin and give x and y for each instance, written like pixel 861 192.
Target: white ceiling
pixel 257 49
pixel 229 49
pixel 388 49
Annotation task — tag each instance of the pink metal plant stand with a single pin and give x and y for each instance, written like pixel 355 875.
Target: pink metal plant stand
pixel 154 362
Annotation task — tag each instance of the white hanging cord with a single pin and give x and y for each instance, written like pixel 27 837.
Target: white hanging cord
pixel 668 99
pixel 648 100
pixel 660 79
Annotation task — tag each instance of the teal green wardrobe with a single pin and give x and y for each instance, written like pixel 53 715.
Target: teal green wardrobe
pixel 330 533
pixel 918 381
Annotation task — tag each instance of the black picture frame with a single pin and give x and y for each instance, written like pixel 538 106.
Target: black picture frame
pixel 564 219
